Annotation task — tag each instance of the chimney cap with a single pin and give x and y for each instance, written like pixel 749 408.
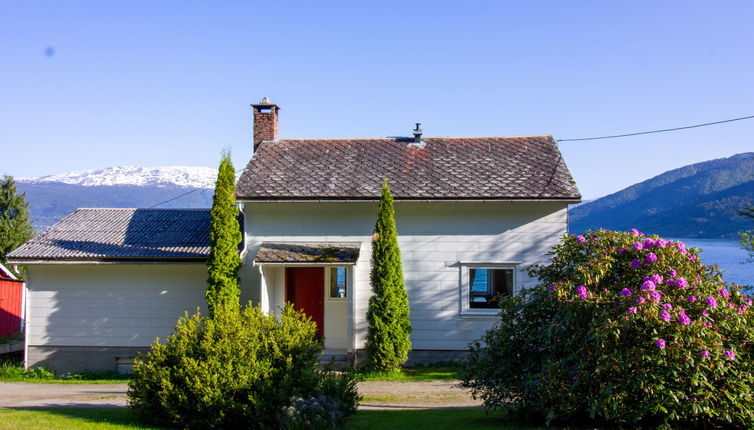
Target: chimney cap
pixel 265 103
pixel 418 133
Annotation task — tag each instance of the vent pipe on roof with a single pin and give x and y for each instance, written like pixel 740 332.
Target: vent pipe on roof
pixel 418 133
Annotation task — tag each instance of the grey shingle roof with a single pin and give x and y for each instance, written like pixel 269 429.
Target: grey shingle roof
pixel 122 234
pixel 305 252
pixel 440 168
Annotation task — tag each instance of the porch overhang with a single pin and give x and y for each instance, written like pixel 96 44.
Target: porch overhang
pixel 307 254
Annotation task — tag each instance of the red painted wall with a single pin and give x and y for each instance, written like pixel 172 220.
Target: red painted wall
pixel 11 293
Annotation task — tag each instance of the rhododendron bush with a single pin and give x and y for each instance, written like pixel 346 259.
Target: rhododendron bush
pixel 623 328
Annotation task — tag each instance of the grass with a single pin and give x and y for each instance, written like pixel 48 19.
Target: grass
pixel 439 372
pixel 121 419
pixel 69 418
pixel 12 371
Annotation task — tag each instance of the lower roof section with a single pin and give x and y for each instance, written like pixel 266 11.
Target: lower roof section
pixel 308 253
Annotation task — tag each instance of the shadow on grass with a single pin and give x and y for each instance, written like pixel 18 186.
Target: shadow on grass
pixel 72 417
pixel 433 419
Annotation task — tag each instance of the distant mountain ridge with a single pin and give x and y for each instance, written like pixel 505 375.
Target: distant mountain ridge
pixel 698 200
pixel 53 197
pixel 168 176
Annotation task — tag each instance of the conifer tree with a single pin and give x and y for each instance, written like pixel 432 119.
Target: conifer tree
pixel 225 236
pixel 388 337
pixel 15 228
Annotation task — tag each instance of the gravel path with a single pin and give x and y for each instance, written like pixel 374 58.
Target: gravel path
pixel 377 395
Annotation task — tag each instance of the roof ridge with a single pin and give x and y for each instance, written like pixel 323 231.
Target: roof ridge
pixel 410 137
pixel 144 209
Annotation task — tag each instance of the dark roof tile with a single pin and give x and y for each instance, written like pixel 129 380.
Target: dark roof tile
pixel 122 234
pixel 441 168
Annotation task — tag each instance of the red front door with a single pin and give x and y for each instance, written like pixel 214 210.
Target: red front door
pixel 305 288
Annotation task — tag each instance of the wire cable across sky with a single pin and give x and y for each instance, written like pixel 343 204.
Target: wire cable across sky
pixel 664 130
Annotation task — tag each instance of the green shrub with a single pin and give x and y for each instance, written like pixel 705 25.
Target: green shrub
pixel 11 371
pixel 340 386
pixel 624 329
pixel 231 371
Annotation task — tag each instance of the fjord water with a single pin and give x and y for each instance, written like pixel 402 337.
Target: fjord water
pixel 729 256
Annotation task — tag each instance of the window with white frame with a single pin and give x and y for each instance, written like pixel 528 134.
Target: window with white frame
pixel 338 283
pixel 484 285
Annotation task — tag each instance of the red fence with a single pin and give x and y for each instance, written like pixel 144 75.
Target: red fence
pixel 11 297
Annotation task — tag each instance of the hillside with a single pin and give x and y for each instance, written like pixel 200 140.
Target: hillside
pixel 698 200
pixel 53 197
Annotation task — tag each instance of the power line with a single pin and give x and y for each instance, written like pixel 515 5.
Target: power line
pixel 184 194
pixel 664 130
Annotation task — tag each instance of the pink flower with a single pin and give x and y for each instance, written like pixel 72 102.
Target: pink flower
pixel 657 279
pixel 661 243
pixel 681 283
pixel 730 354
pixel 632 310
pixel 648 285
pixel 625 292
pixel 648 242
pixel 640 300
pixel 672 273
pixel 711 302
pixel 552 288
pixel 705 353
pixel 667 306
pixel 581 289
pixel 635 232
pixel 654 295
pixel 665 316
pixel 583 296
pixel 651 257
pixel 705 313
pixel 635 263
pixel 580 239
pixel 683 318
pixel 638 246
pixel 692 299
pixel 660 343
pixel 723 292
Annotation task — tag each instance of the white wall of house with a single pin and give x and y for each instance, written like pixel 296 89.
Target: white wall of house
pixel 437 239
pixel 110 304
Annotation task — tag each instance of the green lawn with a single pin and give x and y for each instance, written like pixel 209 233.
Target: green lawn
pixel 69 418
pixel 121 419
pixel 445 372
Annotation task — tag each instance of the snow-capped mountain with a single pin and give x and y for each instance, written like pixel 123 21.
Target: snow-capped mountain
pixel 169 176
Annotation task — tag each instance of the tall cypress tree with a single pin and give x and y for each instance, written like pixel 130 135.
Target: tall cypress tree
pixel 388 337
pixel 224 236
pixel 15 228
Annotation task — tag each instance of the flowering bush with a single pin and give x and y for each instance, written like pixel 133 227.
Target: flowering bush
pixel 622 328
pixel 315 413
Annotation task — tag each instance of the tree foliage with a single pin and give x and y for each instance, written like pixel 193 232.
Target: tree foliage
pixel 388 336
pixel 627 329
pixel 747 237
pixel 15 227
pixel 224 262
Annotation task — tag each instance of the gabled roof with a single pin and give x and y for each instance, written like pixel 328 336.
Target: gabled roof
pixel 443 168
pixel 122 235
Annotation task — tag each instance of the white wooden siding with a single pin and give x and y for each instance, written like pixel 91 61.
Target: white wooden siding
pixel 434 238
pixel 110 304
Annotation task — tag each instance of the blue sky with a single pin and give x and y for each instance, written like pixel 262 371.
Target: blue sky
pixel 99 84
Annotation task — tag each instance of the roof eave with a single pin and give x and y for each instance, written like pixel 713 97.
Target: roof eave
pixel 31 261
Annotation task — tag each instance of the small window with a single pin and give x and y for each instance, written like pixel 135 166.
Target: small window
pixel 338 283
pixel 487 286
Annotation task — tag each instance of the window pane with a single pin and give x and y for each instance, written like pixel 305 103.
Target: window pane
pixel 487 286
pixel 338 283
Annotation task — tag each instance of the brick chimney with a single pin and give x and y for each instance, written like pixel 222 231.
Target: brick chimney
pixel 265 122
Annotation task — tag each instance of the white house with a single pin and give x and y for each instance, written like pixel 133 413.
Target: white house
pixel 472 214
